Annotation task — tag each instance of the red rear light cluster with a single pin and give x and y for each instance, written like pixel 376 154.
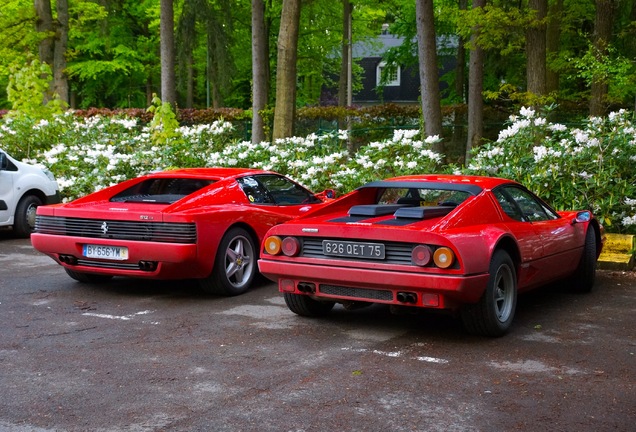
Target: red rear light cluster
pixel 289 246
pixel 442 257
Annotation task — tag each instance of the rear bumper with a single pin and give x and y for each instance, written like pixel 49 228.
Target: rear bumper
pixel 169 260
pixel 360 284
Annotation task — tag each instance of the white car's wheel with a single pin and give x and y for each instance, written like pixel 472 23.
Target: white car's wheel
pixel 24 220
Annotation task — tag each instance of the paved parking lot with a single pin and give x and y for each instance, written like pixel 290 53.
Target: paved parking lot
pixel 136 355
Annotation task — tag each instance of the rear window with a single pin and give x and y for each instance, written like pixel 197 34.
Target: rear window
pixel 161 190
pixel 422 197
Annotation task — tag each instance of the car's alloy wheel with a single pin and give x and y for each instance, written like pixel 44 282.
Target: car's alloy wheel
pixel 234 266
pixel 493 314
pixel 585 275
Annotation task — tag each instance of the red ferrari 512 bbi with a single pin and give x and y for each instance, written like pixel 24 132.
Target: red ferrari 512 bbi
pixel 204 224
pixel 466 244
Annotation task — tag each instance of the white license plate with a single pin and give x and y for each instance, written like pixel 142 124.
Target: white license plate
pixel 353 249
pixel 105 252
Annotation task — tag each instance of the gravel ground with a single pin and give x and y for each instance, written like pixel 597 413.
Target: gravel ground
pixel 135 355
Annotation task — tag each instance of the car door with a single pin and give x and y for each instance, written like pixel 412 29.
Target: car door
pixel 6 189
pixel 554 239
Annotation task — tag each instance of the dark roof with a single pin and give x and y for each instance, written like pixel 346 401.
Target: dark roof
pixel 377 46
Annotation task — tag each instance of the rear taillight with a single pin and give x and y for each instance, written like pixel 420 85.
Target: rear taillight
pixel 290 246
pixel 421 255
pixel 443 257
pixel 273 245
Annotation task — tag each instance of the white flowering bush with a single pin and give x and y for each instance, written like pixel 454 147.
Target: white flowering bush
pixel 401 155
pixel 89 154
pixel 588 166
pixel 591 166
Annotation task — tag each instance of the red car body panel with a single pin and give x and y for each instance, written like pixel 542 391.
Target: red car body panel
pixel 213 209
pixel 543 250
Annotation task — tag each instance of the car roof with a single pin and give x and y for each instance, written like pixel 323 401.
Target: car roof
pixel 467 183
pixel 209 173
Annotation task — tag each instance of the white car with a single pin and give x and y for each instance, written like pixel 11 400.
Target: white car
pixel 23 187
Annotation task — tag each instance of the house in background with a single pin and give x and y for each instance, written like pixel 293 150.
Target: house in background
pixel 404 85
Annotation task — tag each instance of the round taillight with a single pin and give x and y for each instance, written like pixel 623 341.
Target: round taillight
pixel 421 255
pixel 443 257
pixel 290 246
pixel 273 245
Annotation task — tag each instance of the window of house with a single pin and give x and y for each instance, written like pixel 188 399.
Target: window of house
pixel 393 79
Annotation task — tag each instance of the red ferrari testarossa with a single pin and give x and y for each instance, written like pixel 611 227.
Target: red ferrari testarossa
pixel 204 223
pixel 461 243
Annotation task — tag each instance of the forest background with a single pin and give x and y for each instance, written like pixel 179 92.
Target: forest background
pixel 262 64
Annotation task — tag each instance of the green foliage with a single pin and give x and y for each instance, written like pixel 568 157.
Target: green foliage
pixel 609 67
pixel 164 123
pixel 28 84
pixel 590 167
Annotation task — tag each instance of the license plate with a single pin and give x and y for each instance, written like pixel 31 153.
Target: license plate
pixel 106 252
pixel 353 249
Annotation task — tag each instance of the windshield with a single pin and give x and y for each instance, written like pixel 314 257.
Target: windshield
pixel 161 190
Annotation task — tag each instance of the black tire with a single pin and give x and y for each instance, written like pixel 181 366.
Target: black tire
pixel 306 306
pixel 24 218
pixel 585 275
pixel 87 277
pixel 492 315
pixel 234 266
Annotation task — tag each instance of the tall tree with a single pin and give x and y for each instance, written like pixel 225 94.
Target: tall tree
pixel 285 107
pixel 536 47
pixel 260 70
pixel 602 36
pixel 475 88
pixel 168 85
pixel 553 38
pixel 60 80
pixel 429 75
pixel 460 70
pixel 345 66
pixel 53 43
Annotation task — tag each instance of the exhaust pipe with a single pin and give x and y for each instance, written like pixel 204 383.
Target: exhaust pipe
pixel 148 265
pixel 406 297
pixel 68 259
pixel 306 287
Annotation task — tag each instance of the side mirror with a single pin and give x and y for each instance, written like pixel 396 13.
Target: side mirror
pixel 582 217
pixel 4 162
pixel 329 193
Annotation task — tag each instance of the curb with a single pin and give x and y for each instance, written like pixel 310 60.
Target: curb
pixel 618 252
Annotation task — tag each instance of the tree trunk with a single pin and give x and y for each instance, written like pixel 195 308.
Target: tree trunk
pixel 189 66
pixel 286 70
pixel 536 48
pixel 460 70
pixel 168 85
pixel 429 75
pixel 60 80
pixel 260 70
pixel 346 41
pixel 475 90
pixel 553 43
pixel 44 24
pixel 602 37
